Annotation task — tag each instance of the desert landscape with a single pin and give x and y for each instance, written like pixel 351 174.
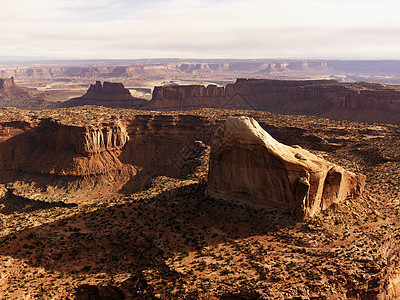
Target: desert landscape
pixel 112 203
pixel 222 150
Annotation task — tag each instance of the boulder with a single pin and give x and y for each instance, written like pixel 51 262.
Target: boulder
pixel 250 166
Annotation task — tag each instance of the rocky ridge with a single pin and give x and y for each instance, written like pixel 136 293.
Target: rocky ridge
pixel 360 101
pixel 75 151
pixel 358 70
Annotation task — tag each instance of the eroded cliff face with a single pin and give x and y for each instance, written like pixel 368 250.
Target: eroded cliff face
pixel 165 144
pixel 249 166
pixel 89 140
pixel 49 147
pixel 125 152
pixel 360 101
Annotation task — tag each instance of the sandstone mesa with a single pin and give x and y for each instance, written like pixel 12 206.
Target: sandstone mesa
pixel 360 101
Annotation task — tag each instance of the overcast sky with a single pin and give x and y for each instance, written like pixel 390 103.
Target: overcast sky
pixel 82 29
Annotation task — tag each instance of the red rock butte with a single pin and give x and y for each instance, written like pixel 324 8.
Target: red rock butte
pixel 108 94
pixel 107 91
pixel 6 83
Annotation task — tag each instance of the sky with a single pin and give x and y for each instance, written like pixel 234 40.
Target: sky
pixel 132 29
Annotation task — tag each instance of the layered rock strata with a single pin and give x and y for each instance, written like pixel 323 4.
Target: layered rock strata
pixel 360 101
pixel 128 151
pixel 107 91
pixel 49 147
pixel 248 165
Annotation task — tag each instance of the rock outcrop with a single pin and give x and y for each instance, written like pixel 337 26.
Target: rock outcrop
pixel 108 94
pixel 13 95
pixel 49 147
pixel 128 152
pixel 360 101
pixel 107 91
pixel 187 97
pixel 248 165
pixel 6 83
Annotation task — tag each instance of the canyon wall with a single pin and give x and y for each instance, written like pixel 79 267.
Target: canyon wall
pixel 49 147
pixel 129 151
pixel 360 101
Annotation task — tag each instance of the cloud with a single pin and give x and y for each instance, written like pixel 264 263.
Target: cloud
pixel 194 28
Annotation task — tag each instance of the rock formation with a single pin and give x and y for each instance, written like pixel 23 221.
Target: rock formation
pixel 52 148
pixel 107 91
pixel 13 95
pixel 360 101
pixel 168 69
pixel 6 83
pixel 128 151
pixel 107 94
pixel 248 165
pixel 187 97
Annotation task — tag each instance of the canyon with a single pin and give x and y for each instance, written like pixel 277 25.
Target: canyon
pixel 201 191
pixel 72 152
pixel 386 71
pixel 183 85
pixel 359 101
pixel 112 202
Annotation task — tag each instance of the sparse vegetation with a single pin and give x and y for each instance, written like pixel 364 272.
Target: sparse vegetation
pixel 173 240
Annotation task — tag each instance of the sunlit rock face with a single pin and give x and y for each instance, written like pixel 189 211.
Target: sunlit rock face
pixel 250 166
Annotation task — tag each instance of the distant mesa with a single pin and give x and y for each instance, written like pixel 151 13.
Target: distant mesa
pixel 107 91
pixel 360 101
pixel 6 83
pixel 108 94
pixel 13 95
pixel 250 166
